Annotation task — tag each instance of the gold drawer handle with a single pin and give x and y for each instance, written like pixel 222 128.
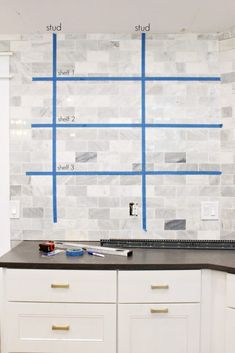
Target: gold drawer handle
pixel 60 328
pixel 159 311
pixel 159 286
pixel 60 285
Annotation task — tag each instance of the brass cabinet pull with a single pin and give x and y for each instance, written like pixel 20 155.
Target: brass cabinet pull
pixel 159 311
pixel 60 328
pixel 159 286
pixel 60 285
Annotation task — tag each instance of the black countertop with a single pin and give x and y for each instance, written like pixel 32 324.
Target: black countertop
pixel 26 255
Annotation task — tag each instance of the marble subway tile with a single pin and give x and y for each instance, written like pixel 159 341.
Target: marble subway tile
pixel 112 224
pixel 175 224
pixel 4 45
pixel 76 190
pixel 15 190
pixel 86 157
pixel 174 157
pixel 209 167
pixel 99 213
pixel 165 213
pixel 214 179
pixel 34 212
pixel 227 112
pixel 228 191
pixel 109 202
pixel 228 77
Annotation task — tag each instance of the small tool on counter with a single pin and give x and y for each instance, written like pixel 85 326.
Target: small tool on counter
pixel 74 252
pixel 95 253
pixel 52 253
pixel 47 246
pixel 96 249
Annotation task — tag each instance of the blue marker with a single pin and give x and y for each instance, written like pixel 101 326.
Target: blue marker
pixel 95 253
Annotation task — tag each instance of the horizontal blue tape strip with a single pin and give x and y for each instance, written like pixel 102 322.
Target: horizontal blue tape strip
pixel 161 172
pixel 85 125
pixel 99 173
pixel 84 78
pixel 39 173
pixel 184 172
pixel 182 78
pixel 87 173
pixel 193 126
pixel 42 79
pixel 134 78
pixel 101 78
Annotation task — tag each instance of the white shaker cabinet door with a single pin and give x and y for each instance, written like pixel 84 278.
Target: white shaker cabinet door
pixel 159 328
pixel 61 328
pixel 230 331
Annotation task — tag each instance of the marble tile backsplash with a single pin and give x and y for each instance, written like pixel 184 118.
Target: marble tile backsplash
pixel 94 207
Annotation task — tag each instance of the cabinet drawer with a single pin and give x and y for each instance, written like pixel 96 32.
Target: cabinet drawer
pixel 60 286
pixel 163 328
pixel 56 328
pixel 230 290
pixel 159 286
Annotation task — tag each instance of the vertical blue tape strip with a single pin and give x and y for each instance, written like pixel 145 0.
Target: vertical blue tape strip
pixel 54 113
pixel 143 132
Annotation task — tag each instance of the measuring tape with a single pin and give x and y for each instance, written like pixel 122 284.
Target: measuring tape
pixel 74 252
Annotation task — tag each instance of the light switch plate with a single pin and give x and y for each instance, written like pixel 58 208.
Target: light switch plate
pixel 14 209
pixel 209 210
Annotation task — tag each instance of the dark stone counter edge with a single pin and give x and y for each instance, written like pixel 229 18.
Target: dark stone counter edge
pixel 124 267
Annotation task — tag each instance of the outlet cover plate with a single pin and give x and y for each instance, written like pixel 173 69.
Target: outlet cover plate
pixel 14 209
pixel 210 210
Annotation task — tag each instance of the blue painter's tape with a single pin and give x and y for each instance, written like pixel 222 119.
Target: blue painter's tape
pixel 182 172
pixel 74 252
pixel 129 78
pixel 182 126
pixel 120 173
pixel 39 173
pixel 175 78
pixel 42 79
pixel 143 113
pixel 186 126
pixel 102 78
pixel 54 113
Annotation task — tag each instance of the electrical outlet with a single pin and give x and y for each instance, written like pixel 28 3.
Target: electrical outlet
pixel 209 210
pixel 14 209
pixel 133 209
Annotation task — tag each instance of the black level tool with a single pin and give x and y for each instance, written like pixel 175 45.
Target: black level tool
pixel 170 244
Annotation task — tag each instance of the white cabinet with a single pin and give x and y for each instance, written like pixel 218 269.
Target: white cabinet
pixel 230 330
pixel 230 314
pixel 167 316
pixel 61 286
pixel 159 328
pixel 71 311
pixel 159 286
pixel 52 327
pixel 57 311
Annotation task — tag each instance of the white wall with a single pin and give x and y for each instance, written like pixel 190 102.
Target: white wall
pixel 4 154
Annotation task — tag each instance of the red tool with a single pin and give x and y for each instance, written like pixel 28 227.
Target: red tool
pixel 47 246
